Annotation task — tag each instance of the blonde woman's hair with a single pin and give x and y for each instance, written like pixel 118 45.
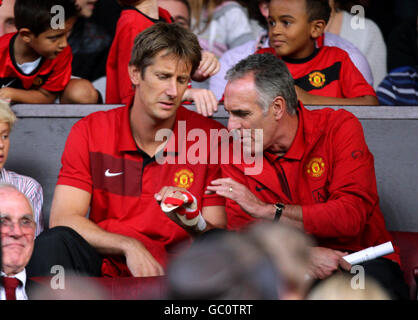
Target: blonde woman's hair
pixel 6 113
pixel 338 287
pixel 200 6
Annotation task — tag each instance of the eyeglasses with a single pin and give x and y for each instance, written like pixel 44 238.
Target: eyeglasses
pixel 26 223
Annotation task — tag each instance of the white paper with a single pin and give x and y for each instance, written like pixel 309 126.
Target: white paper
pixel 369 253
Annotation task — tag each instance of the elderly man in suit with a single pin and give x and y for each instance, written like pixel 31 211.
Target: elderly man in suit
pixel 17 240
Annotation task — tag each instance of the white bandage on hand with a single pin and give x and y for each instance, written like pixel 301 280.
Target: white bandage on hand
pixel 189 217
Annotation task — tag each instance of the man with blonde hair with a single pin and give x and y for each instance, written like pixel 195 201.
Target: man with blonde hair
pixel 27 185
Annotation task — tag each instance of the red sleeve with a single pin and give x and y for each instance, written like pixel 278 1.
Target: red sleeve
pixel 118 83
pixel 75 169
pixel 354 84
pixel 164 14
pixel 61 73
pixel 352 190
pixel 214 170
pixel 237 218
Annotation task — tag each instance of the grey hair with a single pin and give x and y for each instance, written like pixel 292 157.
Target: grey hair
pixel 5 185
pixel 271 78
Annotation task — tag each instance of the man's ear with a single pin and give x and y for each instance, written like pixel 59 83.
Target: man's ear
pixel 26 35
pixel 279 107
pixel 317 28
pixel 134 74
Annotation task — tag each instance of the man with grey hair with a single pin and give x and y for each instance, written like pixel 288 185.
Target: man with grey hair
pixel 318 173
pixel 17 240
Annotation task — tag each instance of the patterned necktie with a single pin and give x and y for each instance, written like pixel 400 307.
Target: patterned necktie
pixel 10 284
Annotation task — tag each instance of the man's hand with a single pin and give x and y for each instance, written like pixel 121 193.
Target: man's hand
pixel 209 65
pixel 248 202
pixel 140 261
pixel 204 100
pixel 325 261
pixel 6 94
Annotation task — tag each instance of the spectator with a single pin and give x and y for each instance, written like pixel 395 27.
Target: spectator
pixel 323 75
pixel 36 61
pixel 388 13
pixel 110 164
pixel 179 10
pixel 90 44
pixel 136 16
pixel 363 33
pixel 17 237
pixel 338 287
pixel 400 87
pixel 403 45
pixel 220 25
pixel 290 251
pixel 7 17
pixel 317 174
pixel 106 14
pixel 229 266
pixel 28 186
pixel 204 99
pixel 217 82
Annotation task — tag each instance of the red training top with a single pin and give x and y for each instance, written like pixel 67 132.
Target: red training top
pixel 51 74
pixel 328 72
pixel 102 158
pixel 329 171
pixel 131 23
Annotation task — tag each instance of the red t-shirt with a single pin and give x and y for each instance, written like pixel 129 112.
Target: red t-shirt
pixel 329 171
pixel 51 74
pixel 102 158
pixel 130 24
pixel 328 72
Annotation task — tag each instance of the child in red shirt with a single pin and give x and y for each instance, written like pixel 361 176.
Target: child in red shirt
pixel 322 75
pixel 136 16
pixel 35 62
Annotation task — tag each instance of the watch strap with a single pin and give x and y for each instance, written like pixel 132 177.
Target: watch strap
pixel 279 210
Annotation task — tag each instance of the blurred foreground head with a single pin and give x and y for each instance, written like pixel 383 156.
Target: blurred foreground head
pixel 339 287
pixel 289 249
pixel 228 266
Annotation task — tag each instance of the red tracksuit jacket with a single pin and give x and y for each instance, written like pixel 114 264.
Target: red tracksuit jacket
pixel 329 171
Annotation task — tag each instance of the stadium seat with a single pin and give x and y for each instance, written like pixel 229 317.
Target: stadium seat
pixel 408 247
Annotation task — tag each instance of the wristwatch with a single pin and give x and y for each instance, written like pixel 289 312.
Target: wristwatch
pixel 279 210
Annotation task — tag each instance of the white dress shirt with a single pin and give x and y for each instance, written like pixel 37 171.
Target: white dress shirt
pixel 20 290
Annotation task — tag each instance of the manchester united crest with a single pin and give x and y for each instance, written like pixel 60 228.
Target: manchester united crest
pixel 317 79
pixel 37 82
pixel 315 167
pixel 183 178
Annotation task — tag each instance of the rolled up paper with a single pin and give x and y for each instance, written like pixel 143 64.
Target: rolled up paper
pixel 369 253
